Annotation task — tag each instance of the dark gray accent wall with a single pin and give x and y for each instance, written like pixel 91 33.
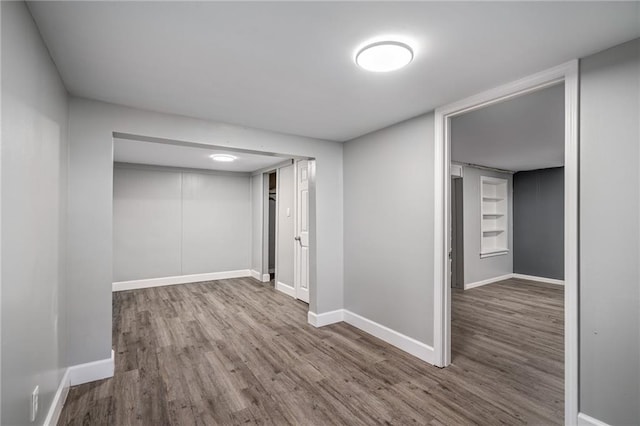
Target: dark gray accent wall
pixel 538 223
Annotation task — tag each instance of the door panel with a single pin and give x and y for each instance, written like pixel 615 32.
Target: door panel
pixel 302 231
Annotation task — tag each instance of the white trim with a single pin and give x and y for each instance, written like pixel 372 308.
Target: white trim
pixel 286 289
pixel 585 420
pixel 539 279
pixel 266 278
pixel 326 318
pixel 399 340
pixel 181 279
pixel 255 274
pixel 91 371
pixel 567 73
pixel 60 397
pixel 487 281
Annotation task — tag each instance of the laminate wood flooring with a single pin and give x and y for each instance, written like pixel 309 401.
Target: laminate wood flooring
pixel 239 352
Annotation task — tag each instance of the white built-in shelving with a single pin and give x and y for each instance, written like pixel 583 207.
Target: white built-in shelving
pixel 494 218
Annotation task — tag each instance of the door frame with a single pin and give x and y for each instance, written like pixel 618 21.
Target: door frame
pixel 566 73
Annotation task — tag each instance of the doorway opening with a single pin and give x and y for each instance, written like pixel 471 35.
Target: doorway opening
pixel 495 241
pixel 272 197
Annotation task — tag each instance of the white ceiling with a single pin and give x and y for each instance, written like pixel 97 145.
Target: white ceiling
pixel 289 67
pixel 524 133
pixel 165 154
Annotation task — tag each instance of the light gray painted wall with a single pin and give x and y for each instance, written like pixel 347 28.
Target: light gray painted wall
pixel 91 127
pixel 34 166
pixel 168 222
pixel 538 223
pixel 257 220
pixel 475 268
pixel 610 235
pixel 216 227
pixel 286 225
pixel 147 223
pixel 389 205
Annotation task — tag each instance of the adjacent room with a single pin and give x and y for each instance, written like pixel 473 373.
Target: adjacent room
pixel 507 257
pixel 316 213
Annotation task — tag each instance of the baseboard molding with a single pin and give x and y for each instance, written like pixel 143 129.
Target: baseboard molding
pixel 286 289
pixel 91 371
pixel 59 398
pixel 487 281
pixel 585 420
pixel 408 344
pixel 266 278
pixel 325 318
pixel 255 274
pixel 181 279
pixel 539 279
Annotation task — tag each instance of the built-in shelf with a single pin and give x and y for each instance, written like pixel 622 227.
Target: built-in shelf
pixel 494 216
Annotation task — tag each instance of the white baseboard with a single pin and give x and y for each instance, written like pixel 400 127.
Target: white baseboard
pixel 585 420
pixel 266 278
pixel 286 289
pixel 539 279
pixel 487 281
pixel 92 371
pixel 399 340
pixel 325 318
pixel 60 397
pixel 181 279
pixel 255 274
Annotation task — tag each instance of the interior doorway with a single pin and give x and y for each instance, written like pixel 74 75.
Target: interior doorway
pixel 272 198
pixel 568 75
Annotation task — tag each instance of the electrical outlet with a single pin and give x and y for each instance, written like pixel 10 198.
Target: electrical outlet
pixel 34 404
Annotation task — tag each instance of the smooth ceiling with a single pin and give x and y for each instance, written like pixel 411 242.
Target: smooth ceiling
pixel 524 133
pixel 289 66
pixel 164 154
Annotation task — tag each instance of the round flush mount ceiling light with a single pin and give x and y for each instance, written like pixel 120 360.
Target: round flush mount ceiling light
pixel 224 158
pixel 384 56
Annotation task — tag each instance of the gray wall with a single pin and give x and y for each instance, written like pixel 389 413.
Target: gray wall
pixel 538 223
pixel 257 221
pixel 610 235
pixel 170 222
pixel 91 127
pixel 475 268
pixel 286 226
pixel 388 190
pixel 34 164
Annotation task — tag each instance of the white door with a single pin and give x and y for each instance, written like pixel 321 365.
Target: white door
pixel 302 231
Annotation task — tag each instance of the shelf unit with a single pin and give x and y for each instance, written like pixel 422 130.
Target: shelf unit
pixel 494 218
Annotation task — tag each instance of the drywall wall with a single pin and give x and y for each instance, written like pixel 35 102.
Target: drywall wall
pixel 610 235
pixel 34 165
pixel 91 127
pixel 538 223
pixel 216 225
pixel 476 268
pixel 257 222
pixel 388 187
pixel 147 223
pixel 286 226
pixel 170 222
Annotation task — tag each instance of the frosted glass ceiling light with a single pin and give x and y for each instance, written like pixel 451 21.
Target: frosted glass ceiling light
pixel 223 158
pixel 384 56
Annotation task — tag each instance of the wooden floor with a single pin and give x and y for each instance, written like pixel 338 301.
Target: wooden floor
pixel 236 351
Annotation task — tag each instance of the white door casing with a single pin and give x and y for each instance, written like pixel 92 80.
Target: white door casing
pixel 301 268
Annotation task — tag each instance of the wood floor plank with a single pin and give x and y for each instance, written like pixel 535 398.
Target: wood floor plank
pixel 238 352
